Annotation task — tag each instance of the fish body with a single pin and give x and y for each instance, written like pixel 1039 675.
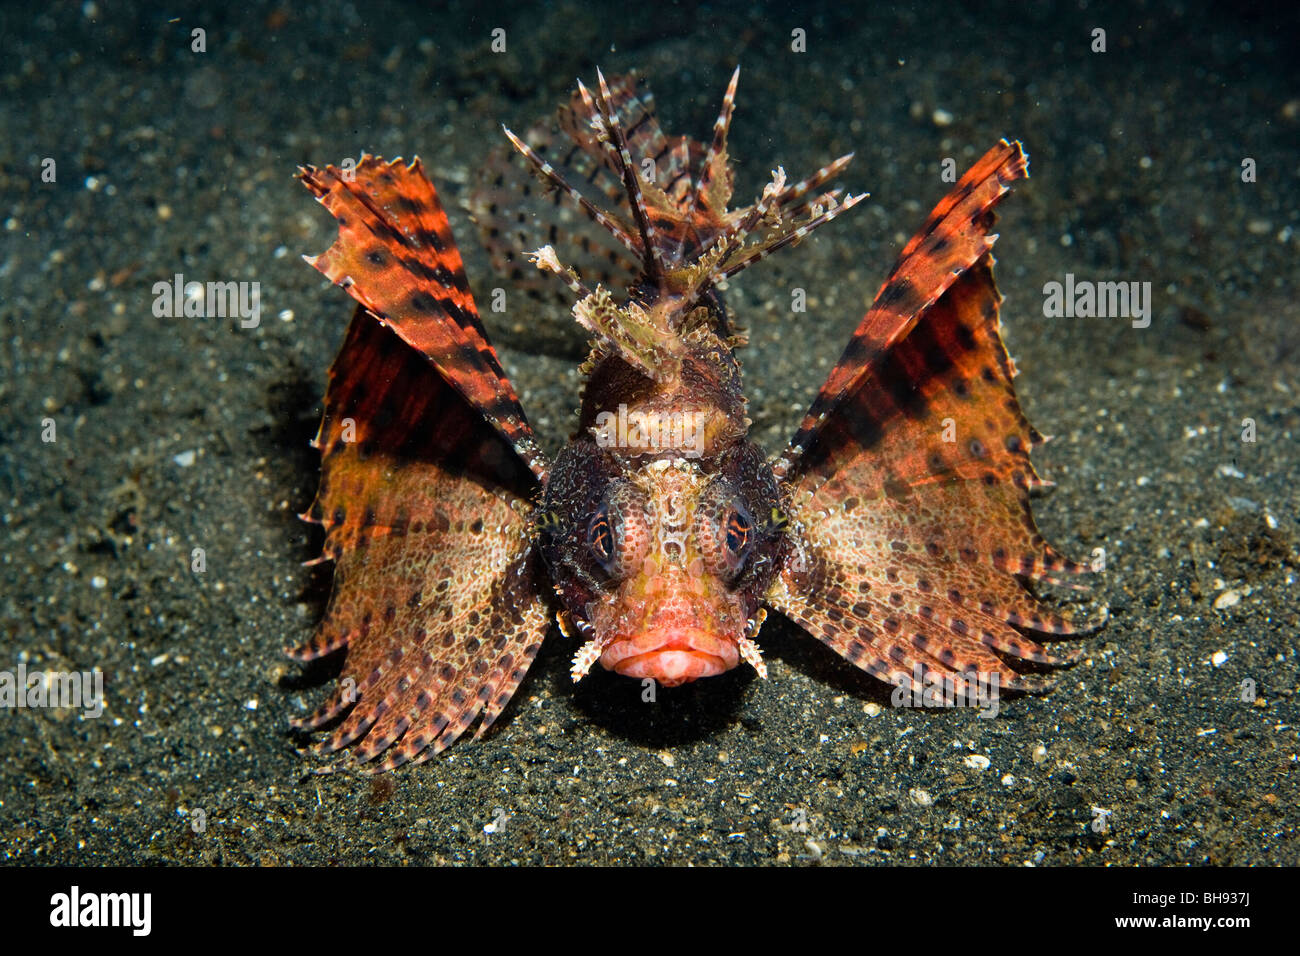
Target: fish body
pixel 895 527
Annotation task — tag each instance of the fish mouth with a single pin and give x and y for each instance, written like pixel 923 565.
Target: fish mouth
pixel 671 656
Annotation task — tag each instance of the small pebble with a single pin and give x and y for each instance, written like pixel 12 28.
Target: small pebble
pixel 1227 599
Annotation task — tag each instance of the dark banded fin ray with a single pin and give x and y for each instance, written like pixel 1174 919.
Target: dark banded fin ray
pixel 438 601
pixel 954 237
pixel 912 528
pixel 396 256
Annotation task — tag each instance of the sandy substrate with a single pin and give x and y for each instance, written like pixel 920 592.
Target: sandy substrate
pixel 182 433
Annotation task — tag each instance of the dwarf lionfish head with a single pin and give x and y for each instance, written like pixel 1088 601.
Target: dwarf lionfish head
pixel 661 548
pixel 662 566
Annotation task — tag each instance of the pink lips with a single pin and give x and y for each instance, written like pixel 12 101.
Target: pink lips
pixel 671 656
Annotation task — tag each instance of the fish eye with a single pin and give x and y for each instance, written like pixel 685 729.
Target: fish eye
pixel 738 534
pixel 600 537
pixel 739 530
pixel 726 533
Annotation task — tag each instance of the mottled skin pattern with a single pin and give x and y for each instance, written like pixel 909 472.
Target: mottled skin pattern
pixel 895 527
pixel 425 503
pixel 426 513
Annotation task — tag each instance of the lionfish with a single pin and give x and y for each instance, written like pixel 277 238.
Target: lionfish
pixel 895 527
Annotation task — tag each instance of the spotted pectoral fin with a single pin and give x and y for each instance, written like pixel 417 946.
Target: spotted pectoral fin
pixel 911 510
pixel 396 256
pixel 437 597
pixel 441 627
pixel 907 614
pixel 954 237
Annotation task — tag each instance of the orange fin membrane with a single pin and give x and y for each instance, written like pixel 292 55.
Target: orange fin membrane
pixel 910 475
pixel 437 597
pixel 428 468
pixel 396 256
pixel 953 238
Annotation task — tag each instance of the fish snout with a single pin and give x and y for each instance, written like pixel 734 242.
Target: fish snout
pixel 677 642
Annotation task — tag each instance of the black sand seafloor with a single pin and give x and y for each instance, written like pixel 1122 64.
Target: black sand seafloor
pixel 1173 742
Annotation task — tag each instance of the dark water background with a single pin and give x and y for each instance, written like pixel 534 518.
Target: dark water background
pixel 177 433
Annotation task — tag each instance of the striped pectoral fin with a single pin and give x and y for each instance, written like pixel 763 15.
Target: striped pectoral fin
pixel 387 410
pixel 937 405
pixel 439 603
pixel 396 256
pixel 897 646
pixel 908 614
pixel 441 621
pixel 913 500
pixel 954 237
pixel 936 427
pixel 436 598
pixel 934 420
